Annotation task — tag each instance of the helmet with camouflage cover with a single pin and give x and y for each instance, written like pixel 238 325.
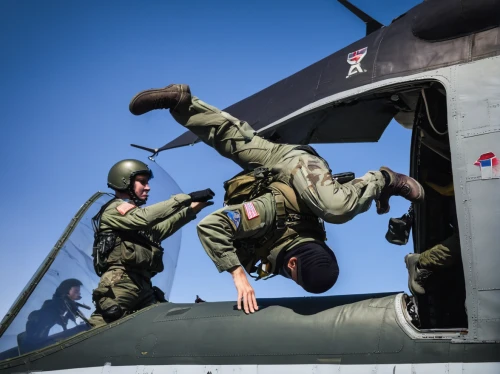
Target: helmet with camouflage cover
pixel 121 177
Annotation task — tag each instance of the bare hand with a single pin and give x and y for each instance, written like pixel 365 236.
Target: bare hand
pixel 245 290
pixel 198 206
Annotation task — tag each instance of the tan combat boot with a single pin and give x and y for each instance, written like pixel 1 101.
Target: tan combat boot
pixel 416 275
pixel 174 97
pixel 398 185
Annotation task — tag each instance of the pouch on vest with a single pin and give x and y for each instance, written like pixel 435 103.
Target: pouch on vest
pixel 245 186
pixel 289 223
pixel 141 255
pixel 104 242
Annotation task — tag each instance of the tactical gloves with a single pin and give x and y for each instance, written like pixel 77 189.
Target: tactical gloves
pixel 202 196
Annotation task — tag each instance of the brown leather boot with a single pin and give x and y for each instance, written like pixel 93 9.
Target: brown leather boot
pixel 398 185
pixel 174 97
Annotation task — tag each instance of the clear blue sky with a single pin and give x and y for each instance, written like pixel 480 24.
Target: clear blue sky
pixel 69 70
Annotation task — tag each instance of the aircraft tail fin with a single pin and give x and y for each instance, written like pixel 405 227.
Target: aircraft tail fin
pixel 371 24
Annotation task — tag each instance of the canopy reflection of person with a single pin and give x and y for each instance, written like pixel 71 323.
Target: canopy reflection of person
pixel 57 311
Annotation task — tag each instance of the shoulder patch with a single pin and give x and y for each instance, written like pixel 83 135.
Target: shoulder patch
pixel 124 208
pixel 234 216
pixel 250 210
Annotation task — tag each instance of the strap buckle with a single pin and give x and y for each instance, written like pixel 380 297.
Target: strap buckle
pixel 280 224
pixel 262 271
pixel 280 210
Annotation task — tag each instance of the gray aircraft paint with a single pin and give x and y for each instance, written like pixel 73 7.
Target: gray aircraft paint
pixel 377 337
pixel 445 368
pixel 473 99
pixel 355 330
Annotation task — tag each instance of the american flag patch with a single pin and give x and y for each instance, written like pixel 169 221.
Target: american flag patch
pixel 250 210
pixel 124 208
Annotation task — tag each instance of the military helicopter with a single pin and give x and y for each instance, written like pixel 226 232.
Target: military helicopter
pixel 436 71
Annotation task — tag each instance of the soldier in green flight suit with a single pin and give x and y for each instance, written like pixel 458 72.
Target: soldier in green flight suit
pixel 439 258
pixel 127 249
pixel 278 226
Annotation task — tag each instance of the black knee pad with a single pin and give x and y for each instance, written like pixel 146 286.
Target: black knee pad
pixel 113 313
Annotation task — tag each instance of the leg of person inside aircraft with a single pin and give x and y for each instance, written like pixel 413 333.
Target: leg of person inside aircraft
pixel 438 258
pixel 309 174
pixel 119 294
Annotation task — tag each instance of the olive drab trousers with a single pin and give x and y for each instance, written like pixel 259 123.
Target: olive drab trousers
pixel 118 288
pixel 308 174
pixel 442 255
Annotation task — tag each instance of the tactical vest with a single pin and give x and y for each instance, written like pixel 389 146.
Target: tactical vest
pixel 130 250
pixel 293 218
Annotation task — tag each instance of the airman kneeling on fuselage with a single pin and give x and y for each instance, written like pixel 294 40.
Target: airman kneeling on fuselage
pixel 127 248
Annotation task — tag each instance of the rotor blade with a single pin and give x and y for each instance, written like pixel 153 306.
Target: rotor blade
pixel 188 138
pixel 152 150
pixel 371 24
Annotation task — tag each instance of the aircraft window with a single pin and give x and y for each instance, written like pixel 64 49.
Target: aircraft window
pixel 61 301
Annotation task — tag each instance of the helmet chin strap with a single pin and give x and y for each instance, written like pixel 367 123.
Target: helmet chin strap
pixel 137 201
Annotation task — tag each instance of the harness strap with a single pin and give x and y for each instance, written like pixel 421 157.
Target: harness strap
pixel 287 225
pixel 96 220
pixel 281 216
pixel 238 124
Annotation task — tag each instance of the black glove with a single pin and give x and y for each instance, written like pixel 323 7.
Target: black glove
pixel 159 295
pixel 202 196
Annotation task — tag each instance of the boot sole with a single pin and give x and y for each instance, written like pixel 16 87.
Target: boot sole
pixel 410 288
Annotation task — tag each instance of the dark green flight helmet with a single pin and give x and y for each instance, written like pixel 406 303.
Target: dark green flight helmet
pixel 121 175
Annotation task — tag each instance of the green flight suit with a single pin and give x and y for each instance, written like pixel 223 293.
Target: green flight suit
pixel 222 232
pixel 308 174
pixel 137 255
pixel 442 255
